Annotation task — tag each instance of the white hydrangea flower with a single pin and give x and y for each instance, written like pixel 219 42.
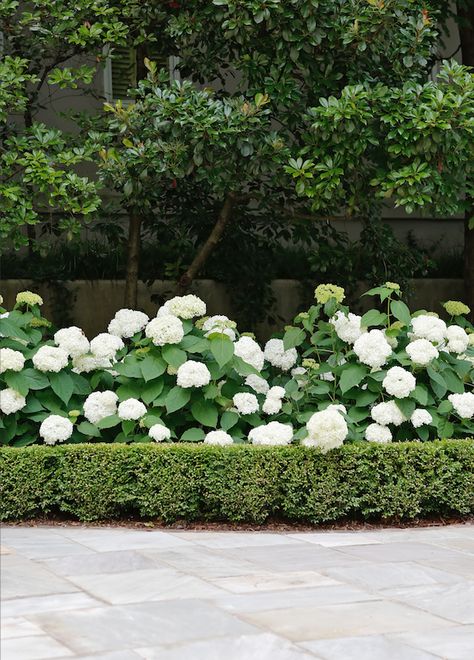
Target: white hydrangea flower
pixel 421 352
pixel 372 348
pixel 298 371
pixel 348 328
pixel 11 360
pixel 250 352
pixel 420 417
pixel 50 358
pixel 327 429
pixel 272 405
pixel 100 405
pixel 429 327
pixel 245 403
pixel 131 409
pixel 463 404
pixel 105 345
pixel 378 433
pixel 276 392
pixel 399 382
pixel 218 438
pixel 337 406
pixel 84 364
pixel 386 413
pixel 257 383
pixel 328 376
pixel 55 429
pixel 457 338
pixel 127 322
pixel 193 374
pixel 11 401
pixel 277 356
pixel 186 307
pixel 219 323
pixel 72 340
pixel 273 433
pixel 165 330
pixel 159 433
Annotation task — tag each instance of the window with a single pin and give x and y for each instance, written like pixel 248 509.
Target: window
pixel 121 72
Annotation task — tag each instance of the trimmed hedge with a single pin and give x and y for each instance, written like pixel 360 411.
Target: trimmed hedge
pixel 238 483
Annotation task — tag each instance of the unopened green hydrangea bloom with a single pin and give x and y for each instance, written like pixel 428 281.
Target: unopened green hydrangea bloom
pixel 456 308
pixel 309 363
pixel 74 413
pixel 28 298
pixel 392 285
pixel 247 334
pixel 325 292
pixel 200 322
pixel 40 323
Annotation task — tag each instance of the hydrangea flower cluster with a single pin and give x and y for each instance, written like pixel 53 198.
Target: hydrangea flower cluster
pixel 327 429
pixel 166 329
pixel 185 307
pixel 193 374
pixel 277 356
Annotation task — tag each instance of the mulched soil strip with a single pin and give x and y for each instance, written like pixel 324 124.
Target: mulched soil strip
pixel 269 526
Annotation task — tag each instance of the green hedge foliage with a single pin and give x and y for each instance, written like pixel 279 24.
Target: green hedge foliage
pixel 361 481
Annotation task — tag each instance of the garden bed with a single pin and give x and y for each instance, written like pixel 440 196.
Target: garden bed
pixel 190 482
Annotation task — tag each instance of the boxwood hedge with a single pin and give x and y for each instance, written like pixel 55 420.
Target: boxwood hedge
pixel 362 481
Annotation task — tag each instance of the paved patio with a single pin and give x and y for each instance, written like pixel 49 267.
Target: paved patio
pixel 124 594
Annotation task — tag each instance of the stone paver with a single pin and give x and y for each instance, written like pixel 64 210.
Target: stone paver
pixel 117 594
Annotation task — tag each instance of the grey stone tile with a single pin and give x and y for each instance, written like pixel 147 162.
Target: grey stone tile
pixel 456 643
pixel 203 562
pixel 460 544
pixel 403 551
pixel 95 562
pixel 44 546
pixel 236 539
pixel 112 539
pixel 17 626
pixel 147 585
pixel 55 602
pixel 332 539
pixel 268 581
pixel 460 565
pixel 386 575
pixel 22 577
pixel 33 648
pixel 344 620
pixel 149 624
pixel 454 602
pixel 113 655
pixel 310 597
pixel 301 556
pixel 371 647
pixel 245 647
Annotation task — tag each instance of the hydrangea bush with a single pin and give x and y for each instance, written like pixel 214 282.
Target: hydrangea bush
pixel 333 377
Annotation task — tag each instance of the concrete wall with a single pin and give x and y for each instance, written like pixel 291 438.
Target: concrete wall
pixel 93 303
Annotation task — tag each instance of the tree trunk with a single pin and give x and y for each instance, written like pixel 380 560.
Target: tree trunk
pixel 209 245
pixel 466 35
pixel 133 260
pixel 30 229
pixel 135 219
